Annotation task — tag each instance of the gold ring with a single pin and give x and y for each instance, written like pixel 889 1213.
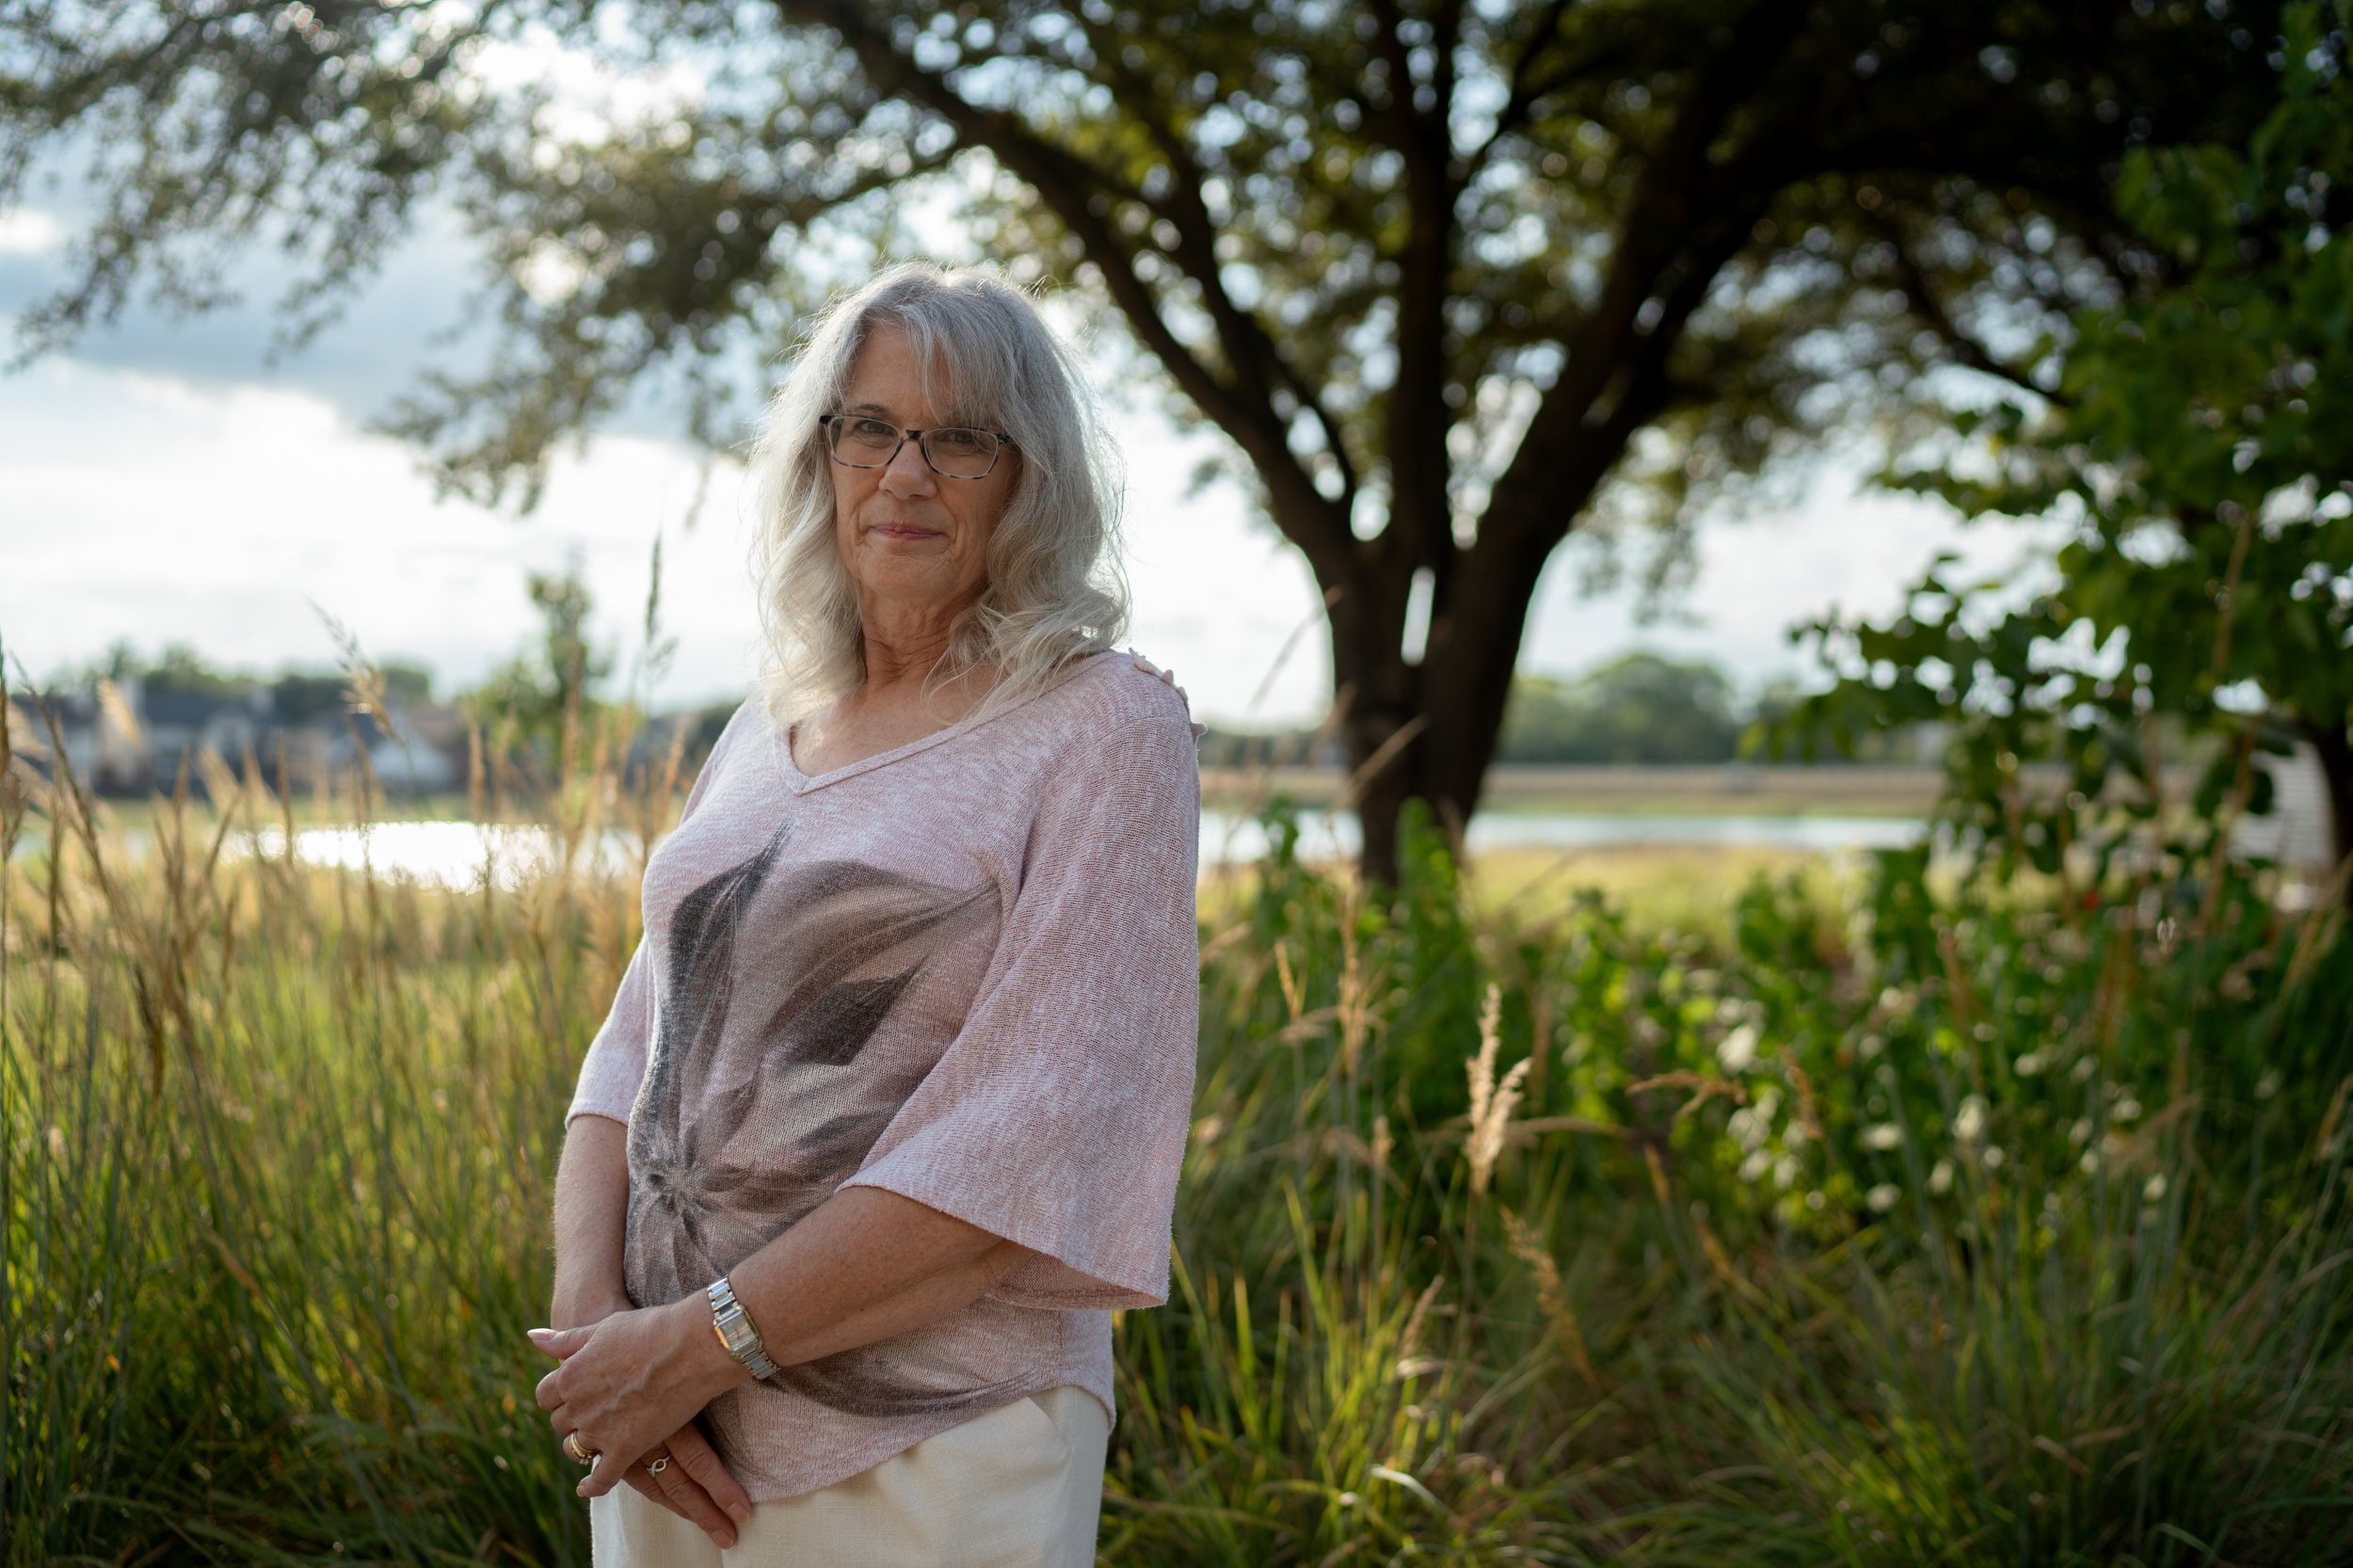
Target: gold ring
pixel 574 1451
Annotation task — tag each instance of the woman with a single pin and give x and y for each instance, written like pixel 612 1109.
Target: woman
pixel 887 1113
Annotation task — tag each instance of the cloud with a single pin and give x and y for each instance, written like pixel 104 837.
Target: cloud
pixel 29 232
pixel 386 336
pixel 151 507
pixel 586 98
pixel 407 315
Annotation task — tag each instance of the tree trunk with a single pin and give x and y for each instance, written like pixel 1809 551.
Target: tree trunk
pixel 1379 695
pixel 1453 701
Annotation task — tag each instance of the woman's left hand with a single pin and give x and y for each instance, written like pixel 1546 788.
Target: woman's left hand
pixel 629 1381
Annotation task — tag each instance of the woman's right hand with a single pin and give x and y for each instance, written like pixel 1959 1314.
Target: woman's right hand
pixel 696 1484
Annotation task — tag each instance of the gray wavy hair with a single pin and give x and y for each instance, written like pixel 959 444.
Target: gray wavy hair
pixel 1054 589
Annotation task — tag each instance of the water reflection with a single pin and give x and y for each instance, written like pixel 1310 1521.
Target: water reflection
pixel 1226 836
pixel 459 855
pixel 466 854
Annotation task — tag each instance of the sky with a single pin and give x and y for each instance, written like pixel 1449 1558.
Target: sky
pixel 166 481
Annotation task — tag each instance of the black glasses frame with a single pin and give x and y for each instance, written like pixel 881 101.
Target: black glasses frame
pixel 827 422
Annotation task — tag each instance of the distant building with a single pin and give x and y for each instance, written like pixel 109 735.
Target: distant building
pixel 121 738
pixel 401 760
pixel 105 739
pixel 104 753
pixel 177 727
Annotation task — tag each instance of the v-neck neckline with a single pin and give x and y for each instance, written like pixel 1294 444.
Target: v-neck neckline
pixel 802 783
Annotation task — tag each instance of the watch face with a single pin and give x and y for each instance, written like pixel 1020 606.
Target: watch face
pixel 736 1330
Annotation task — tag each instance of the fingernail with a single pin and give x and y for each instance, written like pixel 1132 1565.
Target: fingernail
pixel 740 1513
pixel 535 1335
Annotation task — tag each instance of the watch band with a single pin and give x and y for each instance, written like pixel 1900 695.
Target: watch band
pixel 733 1326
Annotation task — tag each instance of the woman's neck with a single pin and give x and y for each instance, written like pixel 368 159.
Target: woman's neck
pixel 901 660
pixel 905 643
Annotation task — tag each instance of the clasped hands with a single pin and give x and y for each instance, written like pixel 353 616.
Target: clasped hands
pixel 630 1383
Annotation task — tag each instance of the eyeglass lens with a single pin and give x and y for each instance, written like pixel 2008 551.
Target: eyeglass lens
pixel 953 450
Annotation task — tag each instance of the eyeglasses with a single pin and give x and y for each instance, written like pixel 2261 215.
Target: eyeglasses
pixel 955 451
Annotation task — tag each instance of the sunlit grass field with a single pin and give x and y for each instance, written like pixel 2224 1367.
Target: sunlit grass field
pixel 1745 1212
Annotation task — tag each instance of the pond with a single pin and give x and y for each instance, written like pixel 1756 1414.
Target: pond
pixel 1226 836
pixel 463 854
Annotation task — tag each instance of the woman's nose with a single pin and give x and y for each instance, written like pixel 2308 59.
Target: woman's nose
pixel 911 473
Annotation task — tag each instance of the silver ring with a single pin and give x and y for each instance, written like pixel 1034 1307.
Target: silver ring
pixel 655 1466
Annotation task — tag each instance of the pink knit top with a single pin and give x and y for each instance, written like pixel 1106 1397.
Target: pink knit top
pixel 966 970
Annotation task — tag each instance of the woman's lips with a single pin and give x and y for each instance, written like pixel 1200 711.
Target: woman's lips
pixel 902 530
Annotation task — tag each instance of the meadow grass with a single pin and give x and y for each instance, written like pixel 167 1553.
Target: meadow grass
pixel 1874 1220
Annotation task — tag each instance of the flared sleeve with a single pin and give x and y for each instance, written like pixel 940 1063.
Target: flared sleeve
pixel 615 1066
pixel 1057 1115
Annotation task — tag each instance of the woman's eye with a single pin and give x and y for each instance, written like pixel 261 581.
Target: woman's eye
pixel 957 440
pixel 872 430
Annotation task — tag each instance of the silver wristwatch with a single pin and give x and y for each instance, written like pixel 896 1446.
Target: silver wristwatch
pixel 734 1328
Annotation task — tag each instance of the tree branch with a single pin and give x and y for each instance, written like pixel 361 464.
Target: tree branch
pixel 1245 340
pixel 1418 419
pixel 1524 90
pixel 1660 219
pixel 1922 294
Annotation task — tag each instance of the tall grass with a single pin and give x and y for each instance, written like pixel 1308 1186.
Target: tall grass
pixel 278 1145
pixel 1899 1228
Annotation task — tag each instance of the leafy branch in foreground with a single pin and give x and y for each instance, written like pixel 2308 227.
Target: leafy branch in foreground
pixel 2199 452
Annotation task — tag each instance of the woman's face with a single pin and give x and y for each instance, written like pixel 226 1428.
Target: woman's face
pixel 907 534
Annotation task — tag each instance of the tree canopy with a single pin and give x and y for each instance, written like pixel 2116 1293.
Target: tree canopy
pixel 1452 276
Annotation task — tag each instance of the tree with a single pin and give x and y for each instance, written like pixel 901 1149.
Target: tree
pixel 541 697
pixel 1452 277
pixel 300 696
pixel 182 669
pixel 2200 446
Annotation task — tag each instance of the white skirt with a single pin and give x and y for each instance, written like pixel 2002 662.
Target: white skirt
pixel 1018 1487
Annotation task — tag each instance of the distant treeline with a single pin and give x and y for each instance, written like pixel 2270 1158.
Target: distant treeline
pixel 1636 707
pixel 296 695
